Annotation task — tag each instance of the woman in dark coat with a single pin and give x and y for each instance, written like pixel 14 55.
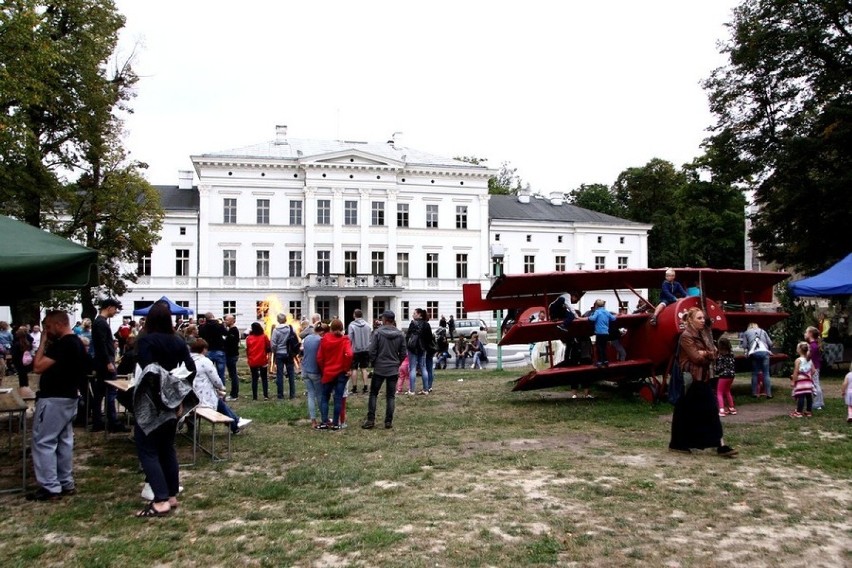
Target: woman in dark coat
pixel 156 423
pixel 695 423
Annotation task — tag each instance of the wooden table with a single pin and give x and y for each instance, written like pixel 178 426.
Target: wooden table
pixel 12 404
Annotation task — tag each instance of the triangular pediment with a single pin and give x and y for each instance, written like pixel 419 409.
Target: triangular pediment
pixel 350 157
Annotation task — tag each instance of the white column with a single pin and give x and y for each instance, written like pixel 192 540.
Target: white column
pixel 310 258
pixel 337 222
pixel 204 212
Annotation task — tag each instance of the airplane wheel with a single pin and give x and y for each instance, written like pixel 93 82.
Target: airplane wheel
pixel 648 393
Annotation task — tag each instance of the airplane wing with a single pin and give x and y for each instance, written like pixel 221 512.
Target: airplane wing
pixel 584 374
pixel 533 332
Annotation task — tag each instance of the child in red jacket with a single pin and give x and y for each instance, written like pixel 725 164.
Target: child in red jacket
pixel 334 359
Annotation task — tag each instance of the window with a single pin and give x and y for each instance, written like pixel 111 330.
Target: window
pixel 496 237
pixel 600 262
pixel 261 309
pixel 432 265
pixel 431 216
pixel 229 213
pixel 182 262
pixel 402 264
pixel 461 266
pixel 402 214
pixel 406 310
pixel 558 238
pixel 600 240
pixel 621 240
pixel 379 307
pixel 350 213
pixel 295 212
pixel 432 309
pixel 229 263
pixel 294 265
pixel 324 263
pixel 622 307
pixel 182 231
pixel 378 262
pixel 323 212
pixel 559 264
pixel 296 309
pixel 529 264
pixel 143 265
pixel 460 313
pixel 262 211
pixel 182 303
pixel 229 307
pixel 622 262
pixel 529 238
pixel 263 264
pixel 324 309
pixel 461 216
pixel 497 266
pixel 350 262
pixel 378 214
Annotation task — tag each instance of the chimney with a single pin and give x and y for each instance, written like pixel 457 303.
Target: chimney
pixel 556 198
pixel 281 134
pixel 524 195
pixel 184 179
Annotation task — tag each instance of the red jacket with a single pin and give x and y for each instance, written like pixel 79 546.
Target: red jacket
pixel 257 350
pixel 334 356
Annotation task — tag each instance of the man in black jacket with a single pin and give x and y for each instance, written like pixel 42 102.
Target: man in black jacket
pixel 214 333
pixel 232 354
pixel 387 350
pixel 103 345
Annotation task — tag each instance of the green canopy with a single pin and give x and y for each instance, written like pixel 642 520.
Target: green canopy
pixel 33 262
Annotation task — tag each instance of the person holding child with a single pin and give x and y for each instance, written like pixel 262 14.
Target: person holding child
pixel 725 370
pixel 801 382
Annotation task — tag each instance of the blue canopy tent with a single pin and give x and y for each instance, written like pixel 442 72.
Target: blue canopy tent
pixel 836 281
pixel 174 308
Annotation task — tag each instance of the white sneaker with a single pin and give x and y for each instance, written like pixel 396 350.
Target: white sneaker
pixel 243 423
pixel 147 493
pixel 230 398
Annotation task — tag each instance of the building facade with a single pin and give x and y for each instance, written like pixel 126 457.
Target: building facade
pixel 305 226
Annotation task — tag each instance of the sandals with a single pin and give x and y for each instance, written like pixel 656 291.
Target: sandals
pixel 732 411
pixel 796 414
pixel 149 511
pixel 722 413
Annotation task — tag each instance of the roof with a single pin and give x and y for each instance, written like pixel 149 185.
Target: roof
pixel 174 198
pixel 836 281
pixel 538 209
pixel 302 148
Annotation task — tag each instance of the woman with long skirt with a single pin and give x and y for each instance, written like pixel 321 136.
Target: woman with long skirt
pixel 695 423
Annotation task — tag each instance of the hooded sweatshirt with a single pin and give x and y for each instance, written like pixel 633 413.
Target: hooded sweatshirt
pixel 359 334
pixel 387 350
pixel 334 356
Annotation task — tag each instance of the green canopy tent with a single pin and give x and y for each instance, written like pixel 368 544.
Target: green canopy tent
pixel 33 262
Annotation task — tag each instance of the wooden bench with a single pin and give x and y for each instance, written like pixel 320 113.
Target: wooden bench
pixel 202 413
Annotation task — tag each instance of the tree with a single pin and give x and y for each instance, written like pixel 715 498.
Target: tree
pixel 596 197
pixel 61 110
pixel 650 195
pixel 783 107
pixel 506 182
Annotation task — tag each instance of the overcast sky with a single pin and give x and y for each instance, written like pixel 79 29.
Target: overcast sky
pixel 568 92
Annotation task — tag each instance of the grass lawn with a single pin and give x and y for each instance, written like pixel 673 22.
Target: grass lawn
pixel 471 475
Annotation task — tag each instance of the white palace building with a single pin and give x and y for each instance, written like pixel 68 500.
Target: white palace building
pixel 328 226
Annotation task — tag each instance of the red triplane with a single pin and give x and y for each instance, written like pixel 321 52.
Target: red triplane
pixel 650 348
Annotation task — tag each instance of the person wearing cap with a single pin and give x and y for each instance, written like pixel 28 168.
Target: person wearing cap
pixel 387 350
pixel 103 348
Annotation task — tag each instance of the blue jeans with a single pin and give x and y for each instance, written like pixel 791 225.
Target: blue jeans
pixel 760 362
pixel 337 387
pixel 159 459
pixel 313 385
pixel 53 442
pixel 460 360
pixel 218 358
pixel 430 372
pixel 231 364
pixel 101 390
pixel 223 408
pixel 280 362
pixel 414 361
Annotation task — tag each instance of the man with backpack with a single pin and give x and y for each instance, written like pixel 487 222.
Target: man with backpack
pixel 285 346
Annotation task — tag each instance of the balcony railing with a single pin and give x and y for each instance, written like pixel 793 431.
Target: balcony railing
pixel 353 281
